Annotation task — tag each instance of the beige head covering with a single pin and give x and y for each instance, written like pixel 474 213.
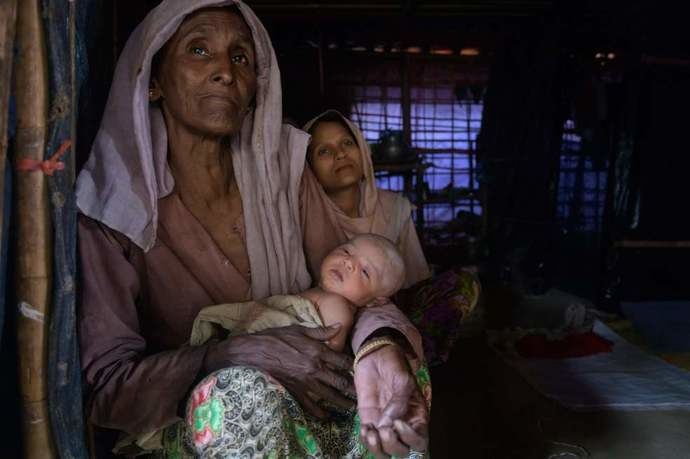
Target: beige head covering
pixel 381 212
pixel 128 172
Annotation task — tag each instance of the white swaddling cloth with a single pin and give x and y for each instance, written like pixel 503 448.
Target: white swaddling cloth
pixel 254 316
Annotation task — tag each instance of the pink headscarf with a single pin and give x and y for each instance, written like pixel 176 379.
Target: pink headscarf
pixel 381 212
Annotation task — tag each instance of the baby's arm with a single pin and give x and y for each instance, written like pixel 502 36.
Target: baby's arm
pixel 334 309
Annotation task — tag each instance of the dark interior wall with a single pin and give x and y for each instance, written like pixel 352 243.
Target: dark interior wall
pixel 664 153
pixel 11 436
pixel 303 97
pixel 519 141
pixel 661 163
pixel 652 275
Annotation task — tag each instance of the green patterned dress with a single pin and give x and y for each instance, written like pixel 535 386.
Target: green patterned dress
pixel 242 412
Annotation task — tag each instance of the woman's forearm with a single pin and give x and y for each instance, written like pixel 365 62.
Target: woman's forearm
pixel 142 395
pixel 371 322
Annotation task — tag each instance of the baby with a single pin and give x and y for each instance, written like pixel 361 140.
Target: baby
pixel 363 272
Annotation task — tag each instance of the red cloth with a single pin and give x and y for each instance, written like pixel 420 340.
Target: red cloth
pixel 575 345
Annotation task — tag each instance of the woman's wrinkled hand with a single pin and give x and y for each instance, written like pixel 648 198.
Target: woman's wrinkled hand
pixel 297 357
pixel 393 414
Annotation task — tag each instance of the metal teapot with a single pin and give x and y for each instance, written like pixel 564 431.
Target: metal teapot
pixel 391 147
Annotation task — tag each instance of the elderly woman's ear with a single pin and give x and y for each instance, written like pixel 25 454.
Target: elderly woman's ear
pixel 154 87
pixel 154 91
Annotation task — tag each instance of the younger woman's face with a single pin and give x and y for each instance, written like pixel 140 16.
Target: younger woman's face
pixel 335 157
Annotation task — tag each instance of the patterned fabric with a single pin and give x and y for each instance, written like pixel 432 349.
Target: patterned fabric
pixel 438 307
pixel 241 412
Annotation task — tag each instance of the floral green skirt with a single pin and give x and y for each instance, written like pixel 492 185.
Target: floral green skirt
pixel 242 412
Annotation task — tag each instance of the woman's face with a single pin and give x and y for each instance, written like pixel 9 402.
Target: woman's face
pixel 335 157
pixel 207 76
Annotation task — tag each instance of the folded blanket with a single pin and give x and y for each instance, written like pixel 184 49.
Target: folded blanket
pixel 253 316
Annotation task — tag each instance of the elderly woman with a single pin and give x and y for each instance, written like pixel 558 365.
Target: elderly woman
pixel 190 198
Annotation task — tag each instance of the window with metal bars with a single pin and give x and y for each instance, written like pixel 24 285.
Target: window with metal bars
pixel 581 185
pixel 444 129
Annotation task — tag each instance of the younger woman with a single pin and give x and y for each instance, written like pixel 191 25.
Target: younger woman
pixel 340 183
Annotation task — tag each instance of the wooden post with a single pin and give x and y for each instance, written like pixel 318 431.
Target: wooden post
pixel 8 18
pixel 33 268
pixel 406 106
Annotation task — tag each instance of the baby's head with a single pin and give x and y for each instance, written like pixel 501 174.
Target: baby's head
pixel 365 269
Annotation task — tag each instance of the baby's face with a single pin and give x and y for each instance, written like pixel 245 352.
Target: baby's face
pixel 358 270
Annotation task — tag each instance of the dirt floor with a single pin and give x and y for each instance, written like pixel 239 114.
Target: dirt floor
pixel 459 412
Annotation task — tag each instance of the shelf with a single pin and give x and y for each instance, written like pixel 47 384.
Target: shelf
pixel 634 244
pixel 450 200
pixel 401 167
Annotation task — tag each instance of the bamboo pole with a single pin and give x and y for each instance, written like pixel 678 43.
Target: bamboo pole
pixel 33 266
pixel 8 17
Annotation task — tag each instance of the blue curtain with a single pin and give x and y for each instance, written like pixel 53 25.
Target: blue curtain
pixel 61 19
